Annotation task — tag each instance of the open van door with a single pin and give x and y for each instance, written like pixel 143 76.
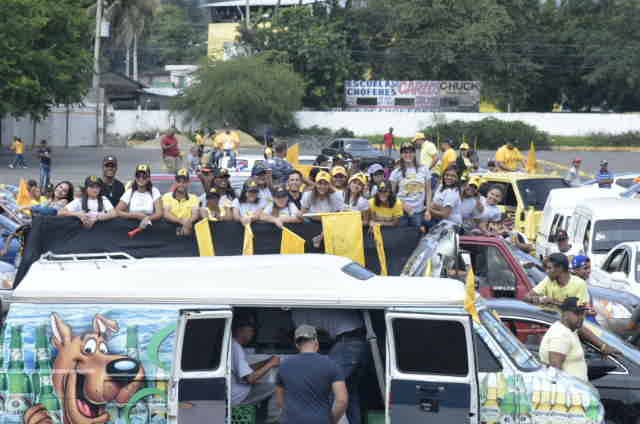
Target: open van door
pixel 200 383
pixel 431 369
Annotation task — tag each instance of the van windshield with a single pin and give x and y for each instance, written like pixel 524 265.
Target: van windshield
pixel 608 233
pixel 509 343
pixel 535 192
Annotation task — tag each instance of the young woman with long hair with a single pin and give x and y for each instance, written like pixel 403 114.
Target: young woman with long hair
pixel 92 206
pixel 354 199
pixel 142 201
pixel 491 213
pixel 282 211
pixel 213 209
pixel 385 208
pixel 248 207
pixel 446 200
pixel 412 185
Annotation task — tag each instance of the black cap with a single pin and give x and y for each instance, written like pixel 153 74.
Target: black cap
pixel 559 259
pixel 408 146
pixel 280 192
pixel 109 159
pixel 251 185
pixel 258 170
pixel 182 173
pixel 92 180
pixel 573 304
pixel 213 192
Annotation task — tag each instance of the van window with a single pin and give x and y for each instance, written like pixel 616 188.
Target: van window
pixel 202 345
pixel 486 361
pixel 587 237
pixel 420 347
pixel 534 192
pixel 614 263
pixel 608 233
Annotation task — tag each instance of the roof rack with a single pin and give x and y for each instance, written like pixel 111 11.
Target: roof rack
pixel 97 258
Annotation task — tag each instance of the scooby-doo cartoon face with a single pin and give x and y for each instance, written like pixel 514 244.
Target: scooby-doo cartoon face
pixel 86 376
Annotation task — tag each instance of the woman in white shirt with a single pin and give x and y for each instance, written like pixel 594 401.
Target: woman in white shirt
pixel 446 201
pixel 282 210
pixel 247 208
pixel 471 203
pixel 142 201
pixel 491 212
pixel 354 199
pixel 412 185
pixel 92 206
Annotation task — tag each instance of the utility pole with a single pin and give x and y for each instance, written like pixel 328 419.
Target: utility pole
pixel 96 72
pixel 247 14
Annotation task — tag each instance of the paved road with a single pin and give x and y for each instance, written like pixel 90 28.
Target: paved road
pixel 76 163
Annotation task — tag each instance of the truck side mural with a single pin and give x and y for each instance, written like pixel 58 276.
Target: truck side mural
pixel 86 364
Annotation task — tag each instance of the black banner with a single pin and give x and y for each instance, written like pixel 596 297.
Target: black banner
pixel 62 235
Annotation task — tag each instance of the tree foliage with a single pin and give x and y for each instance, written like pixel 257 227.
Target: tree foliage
pixel 174 38
pixel 246 92
pixel 44 55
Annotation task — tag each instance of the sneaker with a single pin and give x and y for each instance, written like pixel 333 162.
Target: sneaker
pixel 11 166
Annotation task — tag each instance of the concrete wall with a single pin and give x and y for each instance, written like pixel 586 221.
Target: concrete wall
pixel 406 124
pixel 127 122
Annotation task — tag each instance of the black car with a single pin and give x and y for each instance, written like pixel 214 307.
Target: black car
pixel 358 149
pixel 617 377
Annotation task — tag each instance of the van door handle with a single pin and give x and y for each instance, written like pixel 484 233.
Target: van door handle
pixel 430 389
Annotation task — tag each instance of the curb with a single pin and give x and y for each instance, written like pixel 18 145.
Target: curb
pixel 595 149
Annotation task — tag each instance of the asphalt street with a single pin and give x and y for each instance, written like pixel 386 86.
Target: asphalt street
pixel 76 163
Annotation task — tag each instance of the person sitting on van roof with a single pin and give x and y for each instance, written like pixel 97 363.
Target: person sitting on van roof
pixel 308 383
pixel 180 206
pixel 509 158
pixel 558 285
pixel 246 387
pixel 604 177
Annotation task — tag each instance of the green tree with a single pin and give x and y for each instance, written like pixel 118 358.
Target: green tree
pixel 174 37
pixel 246 91
pixel 45 56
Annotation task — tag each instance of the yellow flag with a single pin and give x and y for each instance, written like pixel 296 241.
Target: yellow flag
pixel 23 198
pixel 204 237
pixel 293 154
pixel 291 243
pixel 470 298
pixel 343 235
pixel 382 257
pixel 427 269
pixel 247 245
pixel 305 170
pixel 532 161
pixel 531 224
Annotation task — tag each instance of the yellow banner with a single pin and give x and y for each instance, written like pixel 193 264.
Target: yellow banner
pixel 293 154
pixel 343 235
pixel 470 297
pixel 532 160
pixel 204 237
pixel 291 243
pixel 382 257
pixel 247 245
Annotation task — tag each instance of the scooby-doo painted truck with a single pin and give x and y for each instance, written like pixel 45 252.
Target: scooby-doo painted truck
pixel 148 341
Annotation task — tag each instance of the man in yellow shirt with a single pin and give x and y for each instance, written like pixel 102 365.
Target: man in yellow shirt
pixel 428 151
pixel 181 207
pixel 449 156
pixel 227 142
pixel 559 285
pixel 509 158
pixel 18 148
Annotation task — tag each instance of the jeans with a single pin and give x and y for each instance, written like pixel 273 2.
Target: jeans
pixel 45 175
pixel 352 355
pixel 172 163
pixel 413 220
pixel 19 161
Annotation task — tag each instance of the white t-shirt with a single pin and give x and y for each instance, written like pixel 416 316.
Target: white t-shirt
pixel 412 187
pixel 360 205
pixel 560 339
pixel 141 202
pixel 92 205
pixel 468 208
pixel 290 210
pixel 247 209
pixel 224 202
pixel 333 203
pixel 491 213
pixel 239 370
pixel 265 196
pixel 449 197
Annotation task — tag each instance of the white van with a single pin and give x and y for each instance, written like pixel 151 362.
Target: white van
pixel 149 341
pixel 600 224
pixel 558 210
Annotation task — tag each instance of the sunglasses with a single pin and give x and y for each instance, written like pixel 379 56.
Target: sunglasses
pixel 142 175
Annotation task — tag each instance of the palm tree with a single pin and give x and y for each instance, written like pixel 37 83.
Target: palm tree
pixel 128 18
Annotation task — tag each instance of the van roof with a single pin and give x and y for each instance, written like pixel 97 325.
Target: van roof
pixel 615 208
pixel 300 280
pixel 566 198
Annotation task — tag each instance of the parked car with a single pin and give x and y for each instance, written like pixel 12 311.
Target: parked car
pixel 501 273
pixel 619 270
pixel 617 377
pixel 357 148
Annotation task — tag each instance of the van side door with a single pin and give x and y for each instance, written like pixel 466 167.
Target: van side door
pixel 200 385
pixel 431 369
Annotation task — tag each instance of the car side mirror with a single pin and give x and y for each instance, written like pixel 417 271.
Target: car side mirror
pixel 598 368
pixel 619 277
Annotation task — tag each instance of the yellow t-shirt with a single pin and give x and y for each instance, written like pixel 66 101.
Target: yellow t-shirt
pixel 428 153
pixel 199 140
pixel 18 146
pixel 448 158
pixel 560 339
pixel 223 213
pixel 181 209
pixel 576 287
pixel 382 213
pixel 510 158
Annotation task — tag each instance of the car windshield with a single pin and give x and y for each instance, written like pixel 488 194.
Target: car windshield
pixel 608 233
pixel 511 345
pixel 535 192
pixel 357 145
pixel 614 341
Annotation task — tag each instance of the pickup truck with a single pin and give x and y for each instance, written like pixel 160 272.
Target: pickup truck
pixel 358 149
pixel 502 271
pixel 620 269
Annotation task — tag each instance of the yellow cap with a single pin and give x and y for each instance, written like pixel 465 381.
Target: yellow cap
pixel 143 167
pixel 323 176
pixel 419 136
pixel 182 172
pixel 338 170
pixel 464 146
pixel 268 152
pixel 475 181
pixel 252 185
pixel 358 177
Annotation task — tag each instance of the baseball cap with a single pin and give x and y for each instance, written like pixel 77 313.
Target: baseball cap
pixel 359 176
pixel 92 180
pixel 339 156
pixel 573 304
pixel 337 170
pixel 604 162
pixel 464 146
pixel 251 185
pixel 143 167
pixel 213 192
pixel 408 146
pixel 258 170
pixel 182 173
pixel 323 176
pixel 419 136
pixel 375 168
pixel 577 160
pixel 560 260
pixel 280 191
pixel 221 173
pixel 562 235
pixel 305 331
pixel 579 261
pixel 474 181
pixel 109 159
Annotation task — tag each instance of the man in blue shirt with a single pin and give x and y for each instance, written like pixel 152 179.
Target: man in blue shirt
pixel 604 178
pixel 308 383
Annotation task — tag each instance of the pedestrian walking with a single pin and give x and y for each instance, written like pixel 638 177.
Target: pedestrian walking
pixel 18 148
pixel 308 383
pixel 44 154
pixel 388 141
pixel 171 152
